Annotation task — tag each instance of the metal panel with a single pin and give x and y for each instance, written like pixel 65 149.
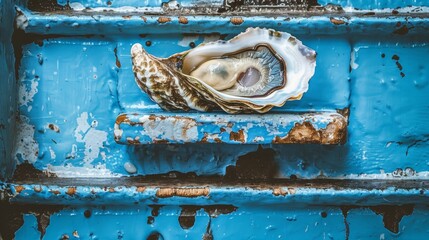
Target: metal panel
pixel 81 132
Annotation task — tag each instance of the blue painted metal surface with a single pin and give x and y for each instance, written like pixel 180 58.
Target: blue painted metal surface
pixel 74 79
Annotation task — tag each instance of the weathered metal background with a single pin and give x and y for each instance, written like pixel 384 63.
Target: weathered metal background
pixel 84 153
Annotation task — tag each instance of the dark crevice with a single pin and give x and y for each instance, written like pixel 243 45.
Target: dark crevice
pixel 259 164
pixel 46 6
pixel 27 170
pixel 392 215
pixel 12 219
pixel 208 235
pixel 188 213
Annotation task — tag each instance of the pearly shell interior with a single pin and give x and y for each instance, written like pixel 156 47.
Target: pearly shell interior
pixel 247 73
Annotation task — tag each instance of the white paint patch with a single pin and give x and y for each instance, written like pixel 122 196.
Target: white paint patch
pixel 124 9
pixel 89 135
pixel 98 171
pixel 130 168
pixel 171 128
pixel 416 176
pixel 186 40
pixel 53 155
pixel 25 96
pixel 353 64
pixel 258 139
pixel 26 148
pixel 21 20
pixel 76 6
pixel 172 5
pixel 143 106
pixel 411 9
pixel 73 153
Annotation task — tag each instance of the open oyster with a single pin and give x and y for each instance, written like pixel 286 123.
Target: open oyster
pixel 253 72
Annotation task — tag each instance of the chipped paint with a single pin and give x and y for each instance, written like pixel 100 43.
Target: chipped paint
pixel 27 90
pixel 160 128
pixel 68 171
pixel 93 138
pixel 26 149
pixel 21 21
pixel 305 132
pixel 321 128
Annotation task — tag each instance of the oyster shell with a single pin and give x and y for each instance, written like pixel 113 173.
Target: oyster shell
pixel 253 72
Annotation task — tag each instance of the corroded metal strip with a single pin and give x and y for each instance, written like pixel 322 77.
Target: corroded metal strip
pixel 316 128
pixel 182 192
pixel 167 192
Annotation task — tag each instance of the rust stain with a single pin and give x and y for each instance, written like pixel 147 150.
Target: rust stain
pixel 183 20
pixel 278 191
pixel 205 138
pixel 126 17
pixel 182 192
pixel 19 188
pixel 334 133
pixel 402 30
pixel 237 136
pixel 54 127
pixel 111 189
pixel 141 189
pixel 160 141
pixel 236 20
pixel 56 192
pixel 164 19
pixel 392 215
pixel 345 112
pixel 133 141
pixel 144 18
pixel 337 21
pixel 122 119
pixel 71 191
pixel 217 140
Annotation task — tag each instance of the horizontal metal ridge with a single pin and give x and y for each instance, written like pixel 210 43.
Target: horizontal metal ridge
pixel 101 23
pixel 319 128
pixel 216 191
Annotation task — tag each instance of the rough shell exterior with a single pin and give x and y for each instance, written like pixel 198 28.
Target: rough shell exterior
pixel 165 81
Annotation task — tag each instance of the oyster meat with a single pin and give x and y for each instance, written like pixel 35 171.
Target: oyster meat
pixel 253 72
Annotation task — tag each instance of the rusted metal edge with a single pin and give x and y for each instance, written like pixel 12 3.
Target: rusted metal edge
pixel 331 23
pixel 358 193
pixel 327 128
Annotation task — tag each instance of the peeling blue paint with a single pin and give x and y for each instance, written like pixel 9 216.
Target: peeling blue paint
pixel 75 79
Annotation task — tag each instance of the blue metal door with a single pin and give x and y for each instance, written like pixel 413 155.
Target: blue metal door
pixel 86 154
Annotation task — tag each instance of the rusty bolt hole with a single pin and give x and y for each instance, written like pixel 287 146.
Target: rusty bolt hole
pixel 155 236
pixel 87 213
